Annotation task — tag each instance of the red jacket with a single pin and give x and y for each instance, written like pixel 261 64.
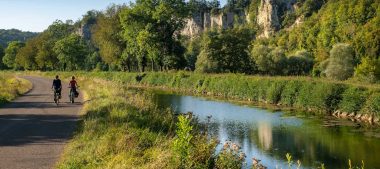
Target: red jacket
pixel 73 84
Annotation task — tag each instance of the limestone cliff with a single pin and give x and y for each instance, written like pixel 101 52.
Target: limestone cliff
pixel 204 21
pixel 84 31
pixel 269 14
pixel 268 18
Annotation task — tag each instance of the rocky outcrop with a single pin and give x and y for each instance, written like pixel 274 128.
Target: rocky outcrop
pixel 268 17
pixel 84 31
pixel 202 21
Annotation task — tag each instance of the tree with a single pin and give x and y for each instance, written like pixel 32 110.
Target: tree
pixel 192 52
pixel 278 61
pixel 2 66
pixel 300 63
pixel 46 58
pixel 225 51
pixel 259 55
pixel 107 36
pixel 25 58
pixel 11 52
pixel 93 61
pixel 368 70
pixel 149 29
pixel 71 52
pixel 269 60
pixel 341 62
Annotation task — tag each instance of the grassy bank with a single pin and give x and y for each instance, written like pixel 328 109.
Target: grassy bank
pixel 313 95
pixel 12 86
pixel 122 128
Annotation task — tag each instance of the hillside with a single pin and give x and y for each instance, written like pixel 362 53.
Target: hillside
pixel 8 35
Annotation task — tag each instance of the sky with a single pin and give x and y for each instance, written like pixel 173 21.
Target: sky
pixel 37 15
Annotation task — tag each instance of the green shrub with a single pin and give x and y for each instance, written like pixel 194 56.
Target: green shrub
pixel 182 144
pixel 327 96
pixel 372 105
pixel 304 97
pixel 252 90
pixel 290 93
pixel 323 97
pixel 353 99
pixel 274 92
pixel 263 86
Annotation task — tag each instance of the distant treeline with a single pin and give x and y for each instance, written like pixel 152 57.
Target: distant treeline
pixel 336 39
pixel 10 35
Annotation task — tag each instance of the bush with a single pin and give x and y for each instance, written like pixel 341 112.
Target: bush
pixel 353 99
pixel 327 96
pixel 182 144
pixel 274 92
pixel 323 97
pixel 372 105
pixel 341 62
pixel 304 99
pixel 301 63
pixel 290 93
pixel 368 70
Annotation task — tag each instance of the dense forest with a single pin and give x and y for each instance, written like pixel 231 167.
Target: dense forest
pixel 9 35
pixel 337 39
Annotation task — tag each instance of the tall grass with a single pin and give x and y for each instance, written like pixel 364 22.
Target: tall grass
pixel 122 128
pixel 12 86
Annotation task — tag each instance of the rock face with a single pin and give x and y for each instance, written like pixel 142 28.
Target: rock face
pixel 204 21
pixel 267 17
pixel 84 31
pixel 269 14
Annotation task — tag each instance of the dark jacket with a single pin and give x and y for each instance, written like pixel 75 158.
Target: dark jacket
pixel 57 83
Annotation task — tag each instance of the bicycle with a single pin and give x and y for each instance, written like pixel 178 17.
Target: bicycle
pixel 56 96
pixel 72 94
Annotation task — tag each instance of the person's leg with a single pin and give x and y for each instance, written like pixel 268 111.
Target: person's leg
pixel 60 93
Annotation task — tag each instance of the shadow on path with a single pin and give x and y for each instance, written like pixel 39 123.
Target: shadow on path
pixel 35 129
pixel 39 105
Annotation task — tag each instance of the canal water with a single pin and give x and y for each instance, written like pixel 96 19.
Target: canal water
pixel 269 136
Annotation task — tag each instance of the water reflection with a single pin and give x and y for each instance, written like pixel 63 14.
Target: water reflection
pixel 269 136
pixel 265 135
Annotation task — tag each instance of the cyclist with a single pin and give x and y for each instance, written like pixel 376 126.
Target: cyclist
pixel 57 86
pixel 73 85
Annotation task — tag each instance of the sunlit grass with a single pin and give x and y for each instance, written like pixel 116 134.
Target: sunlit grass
pixel 12 86
pixel 119 129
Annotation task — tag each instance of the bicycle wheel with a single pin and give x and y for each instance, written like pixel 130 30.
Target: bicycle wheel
pixel 56 98
pixel 72 97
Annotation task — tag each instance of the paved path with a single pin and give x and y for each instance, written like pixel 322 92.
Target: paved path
pixel 33 130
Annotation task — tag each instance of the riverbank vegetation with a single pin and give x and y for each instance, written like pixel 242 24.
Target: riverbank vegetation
pixel 122 128
pixel 12 86
pixel 317 96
